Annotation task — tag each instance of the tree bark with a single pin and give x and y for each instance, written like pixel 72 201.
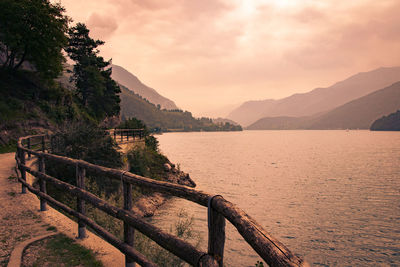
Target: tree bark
pixel 21 61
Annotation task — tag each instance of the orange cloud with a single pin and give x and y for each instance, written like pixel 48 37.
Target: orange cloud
pixel 102 26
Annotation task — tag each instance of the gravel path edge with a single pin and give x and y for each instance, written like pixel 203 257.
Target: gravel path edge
pixel 16 254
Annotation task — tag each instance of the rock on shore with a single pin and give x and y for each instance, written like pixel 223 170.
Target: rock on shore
pixel 146 205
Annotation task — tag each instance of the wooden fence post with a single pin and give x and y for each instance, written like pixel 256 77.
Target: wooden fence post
pixel 80 182
pixel 21 156
pixel 115 134
pixel 42 184
pixel 121 135
pixel 43 143
pixel 29 147
pixel 216 234
pixel 127 135
pixel 129 232
pixel 51 144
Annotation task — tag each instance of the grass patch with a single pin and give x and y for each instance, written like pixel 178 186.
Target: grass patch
pixel 10 147
pixel 51 228
pixel 12 178
pixel 4 261
pixel 60 250
pixel 11 194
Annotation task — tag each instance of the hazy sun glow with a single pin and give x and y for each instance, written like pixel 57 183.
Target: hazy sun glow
pixel 283 3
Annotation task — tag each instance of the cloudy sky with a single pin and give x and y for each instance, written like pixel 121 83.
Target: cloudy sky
pixel 208 55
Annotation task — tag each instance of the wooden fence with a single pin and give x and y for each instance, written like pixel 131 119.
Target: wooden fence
pixel 123 135
pixel 273 252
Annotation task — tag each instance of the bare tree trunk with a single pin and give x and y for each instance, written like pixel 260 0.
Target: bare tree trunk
pixel 11 60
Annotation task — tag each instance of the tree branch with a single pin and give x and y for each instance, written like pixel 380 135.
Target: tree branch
pixel 21 61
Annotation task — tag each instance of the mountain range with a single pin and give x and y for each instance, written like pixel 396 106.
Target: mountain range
pixel 317 101
pixel 356 114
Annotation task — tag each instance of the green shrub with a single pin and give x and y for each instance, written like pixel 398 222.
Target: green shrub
pixel 10 147
pixel 147 162
pixel 89 143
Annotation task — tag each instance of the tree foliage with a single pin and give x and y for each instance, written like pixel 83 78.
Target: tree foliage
pixel 97 91
pixel 86 141
pixel 33 31
pixel 132 123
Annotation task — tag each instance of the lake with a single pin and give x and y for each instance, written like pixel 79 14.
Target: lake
pixel 332 197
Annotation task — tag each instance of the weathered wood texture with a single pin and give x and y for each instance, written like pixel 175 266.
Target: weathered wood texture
pixel 128 230
pixel 29 148
pixel 216 234
pixel 21 154
pixel 42 184
pixel 80 182
pixel 271 250
pixel 43 143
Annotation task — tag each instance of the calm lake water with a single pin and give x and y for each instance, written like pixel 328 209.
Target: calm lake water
pixel 332 197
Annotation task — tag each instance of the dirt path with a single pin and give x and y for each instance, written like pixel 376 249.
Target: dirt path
pixel 20 220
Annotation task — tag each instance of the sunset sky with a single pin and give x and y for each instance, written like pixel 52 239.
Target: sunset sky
pixel 207 55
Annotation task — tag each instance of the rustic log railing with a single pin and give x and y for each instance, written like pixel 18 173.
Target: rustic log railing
pixel 123 135
pixel 268 248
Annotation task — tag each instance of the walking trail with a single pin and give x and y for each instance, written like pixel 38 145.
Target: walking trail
pixel 21 220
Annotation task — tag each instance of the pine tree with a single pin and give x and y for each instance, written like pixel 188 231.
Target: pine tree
pixel 98 92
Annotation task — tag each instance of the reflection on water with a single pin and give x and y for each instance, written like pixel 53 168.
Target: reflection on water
pixel 331 196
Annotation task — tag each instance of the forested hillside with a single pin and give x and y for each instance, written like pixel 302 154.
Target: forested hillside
pixel 32 56
pixel 39 92
pixel 157 119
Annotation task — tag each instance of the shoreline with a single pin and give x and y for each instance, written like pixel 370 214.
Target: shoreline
pixel 147 205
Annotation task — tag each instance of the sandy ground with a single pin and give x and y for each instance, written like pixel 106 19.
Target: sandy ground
pixel 20 219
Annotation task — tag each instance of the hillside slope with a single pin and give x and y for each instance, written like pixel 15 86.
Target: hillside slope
pixel 356 114
pixel 362 112
pixel 133 105
pixel 317 100
pixel 390 122
pixel 124 77
pixel 280 123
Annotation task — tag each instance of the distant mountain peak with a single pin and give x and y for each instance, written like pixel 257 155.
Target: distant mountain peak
pixel 130 81
pixel 319 99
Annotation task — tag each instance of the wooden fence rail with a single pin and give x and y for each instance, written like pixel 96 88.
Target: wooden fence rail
pixel 121 135
pixel 268 248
